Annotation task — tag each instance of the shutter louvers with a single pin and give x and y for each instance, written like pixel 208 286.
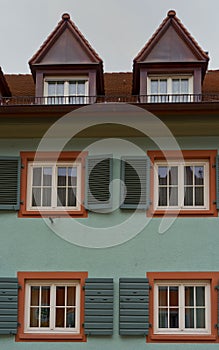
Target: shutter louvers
pixel 8 305
pixel 133 306
pixel 98 179
pixel 98 306
pixel 135 182
pixel 9 183
pixel 217 181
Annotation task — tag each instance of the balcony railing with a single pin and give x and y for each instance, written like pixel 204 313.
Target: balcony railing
pixel 83 100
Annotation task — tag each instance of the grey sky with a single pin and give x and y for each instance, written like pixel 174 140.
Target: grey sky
pixel 117 29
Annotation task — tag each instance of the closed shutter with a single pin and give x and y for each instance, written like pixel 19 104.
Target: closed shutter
pixel 98 179
pixel 217 180
pixel 9 183
pixel 98 306
pixel 8 305
pixel 135 182
pixel 133 306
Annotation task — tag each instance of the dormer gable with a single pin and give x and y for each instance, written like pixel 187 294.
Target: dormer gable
pixel 67 56
pixel 170 50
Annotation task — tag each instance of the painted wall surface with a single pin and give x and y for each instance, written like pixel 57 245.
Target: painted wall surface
pixel 190 244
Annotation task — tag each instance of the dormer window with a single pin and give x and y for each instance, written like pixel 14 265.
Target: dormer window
pixel 173 88
pixel 66 91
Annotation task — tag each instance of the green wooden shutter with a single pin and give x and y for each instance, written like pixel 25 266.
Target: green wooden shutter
pixel 10 183
pixel 135 182
pixel 98 179
pixel 98 306
pixel 133 306
pixel 217 181
pixel 8 305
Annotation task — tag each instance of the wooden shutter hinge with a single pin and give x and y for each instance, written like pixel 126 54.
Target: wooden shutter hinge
pixel 18 324
pixel 21 202
pixel 214 202
pixel 213 165
pixel 19 286
pixel 150 325
pixel 150 287
pixel 22 166
pixel 216 287
pixel 83 325
pixel 83 287
pixel 216 325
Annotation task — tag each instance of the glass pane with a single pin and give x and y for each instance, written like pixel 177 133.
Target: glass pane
pixel 200 318
pixel 175 86
pixel 72 88
pixel 61 176
pixel 173 199
pixel 36 197
pixel 34 317
pixel 163 318
pixel 71 296
pixel 174 318
pixel 45 317
pixel 162 196
pixel 189 296
pixel 47 176
pixel 188 199
pixel 34 298
pixel 45 296
pixel 199 175
pixel 60 296
pixel 154 87
pixel 70 317
pixel 188 175
pixel 51 88
pixel 173 296
pixel 163 86
pixel 61 199
pixel 72 176
pixel 173 175
pixel 37 176
pixel 189 318
pixel 199 196
pixel 162 295
pixel 71 197
pixel 60 88
pixel 184 86
pixel 162 175
pixel 81 88
pixel 47 197
pixel 200 296
pixel 60 317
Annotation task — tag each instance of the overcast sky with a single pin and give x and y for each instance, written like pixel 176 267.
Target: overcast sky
pixel 116 29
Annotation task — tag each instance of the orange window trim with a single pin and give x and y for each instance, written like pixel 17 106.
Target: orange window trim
pixel 50 156
pixel 208 155
pixel 212 277
pixel 37 337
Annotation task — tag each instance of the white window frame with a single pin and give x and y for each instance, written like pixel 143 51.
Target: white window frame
pixel 83 99
pixel 181 190
pixel 54 166
pixel 182 330
pixel 159 97
pixel 52 329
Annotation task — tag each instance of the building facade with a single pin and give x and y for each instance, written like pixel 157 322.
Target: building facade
pixel 109 197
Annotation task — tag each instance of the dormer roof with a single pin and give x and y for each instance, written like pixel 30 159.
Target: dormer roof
pixel 4 88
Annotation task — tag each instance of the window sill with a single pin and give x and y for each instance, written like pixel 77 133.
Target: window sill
pixel 51 337
pixel 189 213
pixel 45 214
pixel 182 338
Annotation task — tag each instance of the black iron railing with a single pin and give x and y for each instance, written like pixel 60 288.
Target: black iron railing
pixel 83 100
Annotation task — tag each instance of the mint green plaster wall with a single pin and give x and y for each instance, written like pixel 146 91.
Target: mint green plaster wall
pixel 190 244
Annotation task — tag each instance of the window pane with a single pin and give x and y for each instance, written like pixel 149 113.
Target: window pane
pixel 173 175
pixel 175 86
pixel 47 176
pixel 45 312
pixel 188 175
pixel 37 176
pixel 70 318
pixel 163 318
pixel 162 196
pixel 173 296
pixel 162 175
pixel 184 86
pixel 70 296
pixel 51 88
pixel 60 317
pixel 199 196
pixel 200 296
pixel 45 296
pixel 199 175
pixel 60 296
pixel 61 199
pixel 81 88
pixel 35 293
pixel 61 176
pixel 173 199
pixel 189 318
pixel 72 88
pixel 188 199
pixel 163 86
pixel 154 87
pixel 163 295
pixel 34 317
pixel 174 318
pixel 47 200
pixel 72 176
pixel 200 318
pixel 189 296
pixel 36 197
pixel 60 88
pixel 71 197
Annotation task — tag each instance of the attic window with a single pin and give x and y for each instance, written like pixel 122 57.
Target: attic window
pixel 176 88
pixel 66 91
